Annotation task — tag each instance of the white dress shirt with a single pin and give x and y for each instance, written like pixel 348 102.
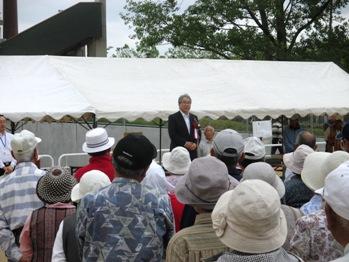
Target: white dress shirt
pixel 187 120
pixel 5 149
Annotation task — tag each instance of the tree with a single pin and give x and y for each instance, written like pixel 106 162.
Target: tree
pixel 233 29
pixel 129 52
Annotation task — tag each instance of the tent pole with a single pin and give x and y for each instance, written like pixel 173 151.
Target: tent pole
pixel 13 127
pixel 95 124
pixel 160 138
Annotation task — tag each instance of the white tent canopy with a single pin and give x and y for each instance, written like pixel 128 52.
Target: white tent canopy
pixel 37 86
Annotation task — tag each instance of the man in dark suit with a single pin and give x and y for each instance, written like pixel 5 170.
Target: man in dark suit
pixel 183 127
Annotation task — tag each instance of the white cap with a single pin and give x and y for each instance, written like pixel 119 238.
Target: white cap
pixel 228 139
pixel 177 161
pixel 24 142
pixel 336 193
pixel 90 182
pixel 254 148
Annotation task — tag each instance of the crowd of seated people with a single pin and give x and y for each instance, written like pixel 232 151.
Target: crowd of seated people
pixel 229 205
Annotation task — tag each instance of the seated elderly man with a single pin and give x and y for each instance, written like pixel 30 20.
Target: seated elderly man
pixel 336 195
pixel 125 221
pixel 206 180
pixel 18 195
pixel 250 221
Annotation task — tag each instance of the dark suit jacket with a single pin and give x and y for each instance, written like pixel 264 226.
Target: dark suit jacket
pixel 178 131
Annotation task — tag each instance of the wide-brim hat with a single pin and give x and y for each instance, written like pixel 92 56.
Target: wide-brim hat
pixel 97 140
pixel 318 165
pixel 294 161
pixel 55 186
pixel 206 180
pixel 265 172
pixel 249 219
pixel 312 175
pixel 90 182
pixel 177 161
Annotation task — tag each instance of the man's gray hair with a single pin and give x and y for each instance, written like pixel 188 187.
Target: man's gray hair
pixel 180 99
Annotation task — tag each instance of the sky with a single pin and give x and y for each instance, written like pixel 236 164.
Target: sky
pixel 31 12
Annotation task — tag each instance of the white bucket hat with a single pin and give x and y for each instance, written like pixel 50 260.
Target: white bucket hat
pixel 90 182
pixel 295 160
pixel 177 161
pixel 335 192
pixel 249 218
pixel 318 165
pixel 265 172
pixel 97 140
pixel 254 148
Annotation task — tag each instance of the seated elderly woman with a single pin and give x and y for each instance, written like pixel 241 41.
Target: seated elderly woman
pixel 250 221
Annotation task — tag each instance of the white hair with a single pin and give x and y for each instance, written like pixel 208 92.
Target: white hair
pixel 26 157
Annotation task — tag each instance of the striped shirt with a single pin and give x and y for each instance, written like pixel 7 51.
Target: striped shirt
pixel 195 243
pixel 17 200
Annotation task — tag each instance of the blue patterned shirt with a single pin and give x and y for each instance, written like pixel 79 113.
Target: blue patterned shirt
pixel 122 222
pixel 17 200
pixel 314 205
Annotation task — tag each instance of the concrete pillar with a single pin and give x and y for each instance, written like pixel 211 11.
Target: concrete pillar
pixel 10 18
pixel 98 47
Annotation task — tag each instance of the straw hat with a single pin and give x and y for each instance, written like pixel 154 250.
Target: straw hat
pixel 55 186
pixel 249 218
pixel 97 140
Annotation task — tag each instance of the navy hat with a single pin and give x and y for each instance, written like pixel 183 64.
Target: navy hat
pixel 345 132
pixel 134 152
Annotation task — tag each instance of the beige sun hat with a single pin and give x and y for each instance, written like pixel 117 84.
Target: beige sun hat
pixel 294 161
pixel 265 172
pixel 206 180
pixel 318 165
pixel 249 218
pixel 177 161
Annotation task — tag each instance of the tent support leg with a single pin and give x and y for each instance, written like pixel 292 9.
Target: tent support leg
pixel 160 138
pixel 13 127
pixel 95 124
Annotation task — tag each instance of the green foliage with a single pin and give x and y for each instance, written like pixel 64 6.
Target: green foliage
pixel 242 29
